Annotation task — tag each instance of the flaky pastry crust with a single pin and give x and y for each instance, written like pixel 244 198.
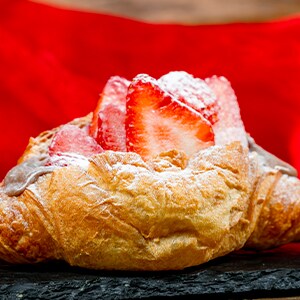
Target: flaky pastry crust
pixel 167 213
pixel 279 220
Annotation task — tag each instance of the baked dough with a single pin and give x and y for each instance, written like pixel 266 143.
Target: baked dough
pixel 120 212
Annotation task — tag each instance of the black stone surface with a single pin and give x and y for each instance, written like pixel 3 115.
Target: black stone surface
pixel 240 275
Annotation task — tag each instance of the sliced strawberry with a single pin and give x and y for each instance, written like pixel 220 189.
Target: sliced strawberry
pixel 157 122
pixel 108 124
pixel 192 91
pixel 71 139
pixel 111 132
pixel 229 126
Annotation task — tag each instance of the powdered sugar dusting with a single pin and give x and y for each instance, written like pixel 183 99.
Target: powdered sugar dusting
pixel 179 82
pixel 229 126
pixel 193 91
pixel 69 159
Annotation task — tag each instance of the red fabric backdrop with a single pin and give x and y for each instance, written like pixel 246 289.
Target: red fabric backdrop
pixel 55 62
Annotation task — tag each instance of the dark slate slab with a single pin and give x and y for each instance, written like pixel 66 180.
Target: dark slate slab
pixel 239 275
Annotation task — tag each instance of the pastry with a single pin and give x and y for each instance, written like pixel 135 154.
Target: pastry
pixel 161 176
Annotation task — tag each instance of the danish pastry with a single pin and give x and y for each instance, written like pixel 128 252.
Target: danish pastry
pixel 161 176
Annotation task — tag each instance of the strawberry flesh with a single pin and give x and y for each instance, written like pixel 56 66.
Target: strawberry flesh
pixel 71 139
pixel 108 123
pixel 192 91
pixel 157 122
pixel 229 126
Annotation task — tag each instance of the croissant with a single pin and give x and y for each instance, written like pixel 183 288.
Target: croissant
pixel 149 207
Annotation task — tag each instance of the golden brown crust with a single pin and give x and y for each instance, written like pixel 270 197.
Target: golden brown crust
pixel 23 236
pixel 167 213
pixel 122 214
pixel 279 221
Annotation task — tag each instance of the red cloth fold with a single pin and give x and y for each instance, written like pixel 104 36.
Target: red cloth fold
pixel 55 62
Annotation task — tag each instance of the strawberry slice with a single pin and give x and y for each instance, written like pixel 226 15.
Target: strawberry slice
pixel 229 126
pixel 108 124
pixel 71 139
pixel 157 122
pixel 192 91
